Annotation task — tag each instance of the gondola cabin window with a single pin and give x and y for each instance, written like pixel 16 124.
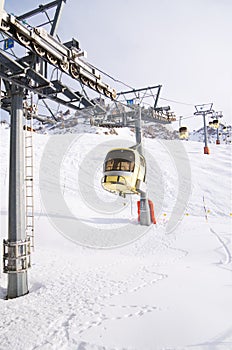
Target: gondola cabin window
pixel 120 160
pixel 119 164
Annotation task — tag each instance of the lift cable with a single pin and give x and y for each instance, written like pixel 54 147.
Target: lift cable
pixel 132 88
pixel 111 77
pixel 189 117
pixel 182 103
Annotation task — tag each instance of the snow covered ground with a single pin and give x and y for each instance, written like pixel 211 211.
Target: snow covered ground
pixel 101 281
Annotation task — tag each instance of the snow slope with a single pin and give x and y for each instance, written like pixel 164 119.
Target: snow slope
pixel 101 281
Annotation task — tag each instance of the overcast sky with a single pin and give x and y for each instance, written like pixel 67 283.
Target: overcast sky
pixel 184 45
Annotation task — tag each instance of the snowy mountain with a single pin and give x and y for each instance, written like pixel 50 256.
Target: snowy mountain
pixel 225 134
pixel 81 123
pixel 99 280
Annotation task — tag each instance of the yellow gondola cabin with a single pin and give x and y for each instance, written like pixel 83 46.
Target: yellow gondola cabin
pixel 124 171
pixel 215 124
pixel 183 132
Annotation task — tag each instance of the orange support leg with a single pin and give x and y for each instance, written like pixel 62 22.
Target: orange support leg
pixel 152 212
pixel 206 150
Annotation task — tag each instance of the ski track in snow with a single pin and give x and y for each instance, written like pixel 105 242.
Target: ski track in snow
pixel 224 246
pixel 70 322
pixel 147 276
pixel 74 290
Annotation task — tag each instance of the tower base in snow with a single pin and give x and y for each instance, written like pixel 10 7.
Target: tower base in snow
pixel 206 150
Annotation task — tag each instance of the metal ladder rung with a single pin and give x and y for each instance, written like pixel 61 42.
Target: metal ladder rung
pixel 29 179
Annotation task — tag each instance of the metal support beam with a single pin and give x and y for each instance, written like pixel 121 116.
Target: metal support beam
pixel 49 109
pixel 124 119
pixel 1 8
pixel 145 216
pixel 138 132
pixel 139 90
pixel 17 281
pixel 204 110
pixel 40 9
pixel 217 116
pixel 56 20
pixel 218 139
pixel 157 96
pixel 206 148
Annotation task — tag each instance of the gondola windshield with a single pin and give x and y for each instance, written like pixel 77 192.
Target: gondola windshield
pixel 119 164
pixel 183 129
pixel 120 160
